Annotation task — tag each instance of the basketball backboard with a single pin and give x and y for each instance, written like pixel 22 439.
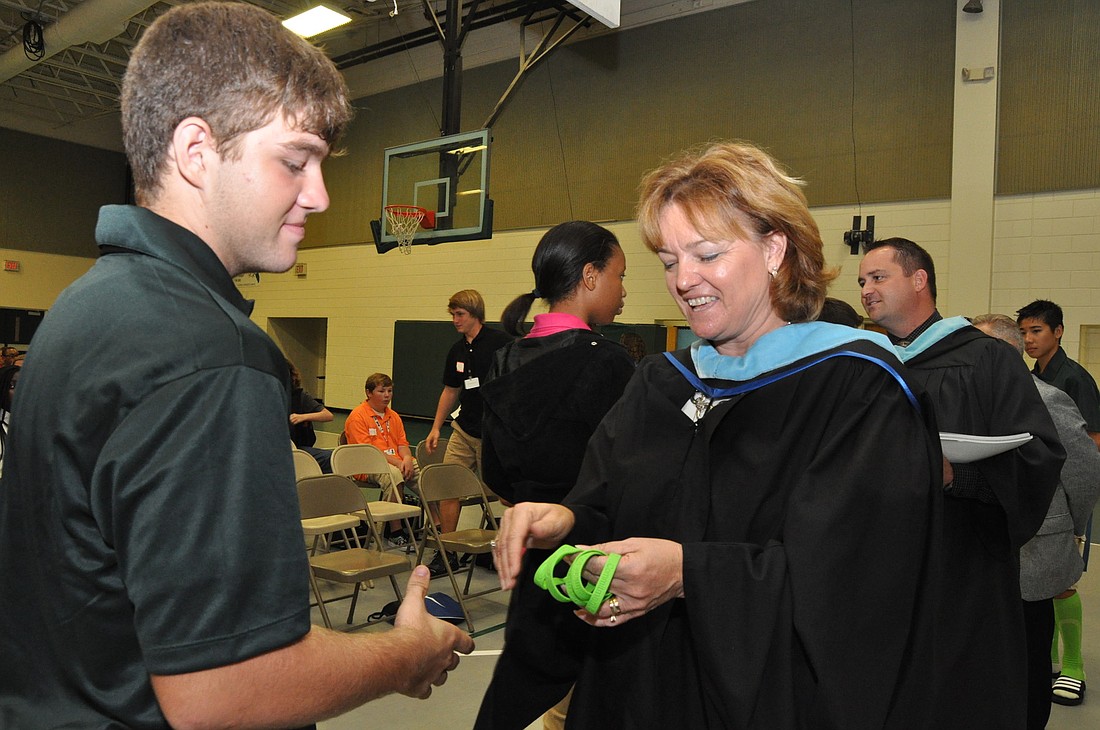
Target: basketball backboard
pixel 449 176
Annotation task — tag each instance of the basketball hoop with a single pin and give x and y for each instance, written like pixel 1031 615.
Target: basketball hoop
pixel 402 222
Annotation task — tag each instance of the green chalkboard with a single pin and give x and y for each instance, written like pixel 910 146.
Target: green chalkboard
pixel 420 348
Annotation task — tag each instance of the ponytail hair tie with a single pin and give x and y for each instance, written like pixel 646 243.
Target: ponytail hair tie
pixel 536 294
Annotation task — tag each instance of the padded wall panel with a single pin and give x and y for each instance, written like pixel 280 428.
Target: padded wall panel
pixel 51 192
pixel 1049 138
pixel 584 126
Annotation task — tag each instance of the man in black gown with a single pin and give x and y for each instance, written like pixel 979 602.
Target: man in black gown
pixel 979 386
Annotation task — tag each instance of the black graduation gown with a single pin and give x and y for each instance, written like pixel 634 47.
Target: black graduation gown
pixel 543 400
pixel 980 385
pixel 807 513
pixel 544 396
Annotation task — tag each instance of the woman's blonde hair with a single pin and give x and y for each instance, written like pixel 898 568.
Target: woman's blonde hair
pixel 735 190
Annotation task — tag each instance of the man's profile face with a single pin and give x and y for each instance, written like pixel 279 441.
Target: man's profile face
pixel 1040 341
pixel 887 294
pixel 463 321
pixel 259 197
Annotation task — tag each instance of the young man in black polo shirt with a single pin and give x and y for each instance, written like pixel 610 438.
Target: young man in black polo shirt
pixel 1041 324
pixel 152 572
pixel 464 371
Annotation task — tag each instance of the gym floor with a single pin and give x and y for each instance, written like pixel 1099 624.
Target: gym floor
pixel 455 704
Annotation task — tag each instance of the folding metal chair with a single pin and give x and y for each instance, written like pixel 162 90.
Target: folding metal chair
pixel 332 494
pixel 321 527
pixel 354 459
pixel 454 481
pixel 423 458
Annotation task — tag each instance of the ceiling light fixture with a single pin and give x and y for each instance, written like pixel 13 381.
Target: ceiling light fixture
pixel 315 21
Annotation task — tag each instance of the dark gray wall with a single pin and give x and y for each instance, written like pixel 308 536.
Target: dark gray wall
pixel 584 127
pixel 51 192
pixel 855 96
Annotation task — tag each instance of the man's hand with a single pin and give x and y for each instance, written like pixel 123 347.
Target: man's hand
pixel 408 467
pixel 323 674
pixel 948 472
pixel 431 441
pixel 439 640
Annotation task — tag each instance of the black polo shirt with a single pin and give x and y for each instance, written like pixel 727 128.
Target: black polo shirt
pixel 148 515
pixel 468 360
pixel 1072 379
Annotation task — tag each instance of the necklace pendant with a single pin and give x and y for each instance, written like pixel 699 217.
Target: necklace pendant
pixel 702 405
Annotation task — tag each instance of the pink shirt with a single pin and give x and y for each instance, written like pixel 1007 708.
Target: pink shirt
pixel 552 323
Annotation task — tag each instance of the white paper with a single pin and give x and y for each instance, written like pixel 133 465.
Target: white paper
pixel 963 448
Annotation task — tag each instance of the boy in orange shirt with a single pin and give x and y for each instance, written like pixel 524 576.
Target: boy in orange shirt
pixel 374 422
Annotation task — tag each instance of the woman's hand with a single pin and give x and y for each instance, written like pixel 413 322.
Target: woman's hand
pixel 528 524
pixel 650 572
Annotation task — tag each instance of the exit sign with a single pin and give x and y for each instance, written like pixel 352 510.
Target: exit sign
pixel 11 266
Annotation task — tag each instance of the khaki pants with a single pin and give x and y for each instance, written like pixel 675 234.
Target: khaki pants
pixel 462 448
pixel 390 483
pixel 554 719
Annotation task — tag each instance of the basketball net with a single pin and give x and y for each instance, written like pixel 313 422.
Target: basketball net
pixel 402 221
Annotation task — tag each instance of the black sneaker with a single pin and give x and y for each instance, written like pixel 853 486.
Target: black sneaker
pixel 398 541
pixel 436 567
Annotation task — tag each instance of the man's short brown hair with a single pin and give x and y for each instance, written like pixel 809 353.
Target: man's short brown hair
pixel 910 257
pixel 471 301
pixel 377 380
pixel 234 66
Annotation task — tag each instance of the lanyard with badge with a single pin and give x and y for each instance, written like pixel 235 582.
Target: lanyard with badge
pixel 384 432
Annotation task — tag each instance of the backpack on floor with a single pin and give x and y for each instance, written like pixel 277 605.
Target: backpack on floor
pixel 440 605
pixel 443 606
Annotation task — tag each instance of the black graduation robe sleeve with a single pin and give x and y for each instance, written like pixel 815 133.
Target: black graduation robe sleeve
pixel 981 386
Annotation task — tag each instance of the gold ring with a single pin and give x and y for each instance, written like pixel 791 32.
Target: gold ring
pixel 612 619
pixel 493 544
pixel 613 604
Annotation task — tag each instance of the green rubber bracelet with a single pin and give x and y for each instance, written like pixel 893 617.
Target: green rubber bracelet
pixel 572 587
pixel 545 578
pixel 574 580
pixel 600 593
